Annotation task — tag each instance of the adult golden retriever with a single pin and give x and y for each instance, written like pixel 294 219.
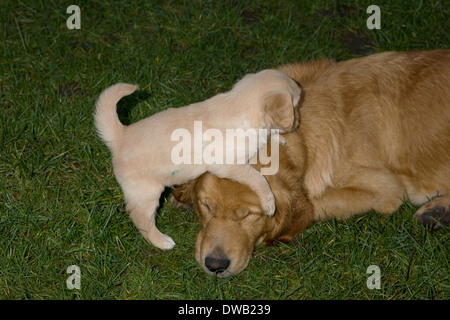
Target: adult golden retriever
pixel 374 132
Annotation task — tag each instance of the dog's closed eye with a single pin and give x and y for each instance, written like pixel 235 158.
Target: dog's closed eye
pixel 246 210
pixel 242 213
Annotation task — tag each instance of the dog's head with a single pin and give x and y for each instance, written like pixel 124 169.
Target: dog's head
pixel 232 220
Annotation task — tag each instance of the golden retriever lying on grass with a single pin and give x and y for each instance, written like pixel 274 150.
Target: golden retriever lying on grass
pixel 374 132
pixel 143 153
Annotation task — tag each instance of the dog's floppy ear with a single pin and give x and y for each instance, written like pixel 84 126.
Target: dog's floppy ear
pixel 302 216
pixel 279 111
pixel 295 217
pixel 182 196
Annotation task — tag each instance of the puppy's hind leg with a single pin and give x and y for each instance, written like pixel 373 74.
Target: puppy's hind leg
pixel 142 205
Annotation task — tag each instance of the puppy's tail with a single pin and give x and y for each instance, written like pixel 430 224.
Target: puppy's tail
pixel 106 119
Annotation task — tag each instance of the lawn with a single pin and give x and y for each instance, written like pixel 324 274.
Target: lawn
pixel 60 204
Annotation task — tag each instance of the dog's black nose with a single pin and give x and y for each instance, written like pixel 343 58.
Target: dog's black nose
pixel 217 265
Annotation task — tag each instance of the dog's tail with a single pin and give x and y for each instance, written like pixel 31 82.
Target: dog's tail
pixel 106 119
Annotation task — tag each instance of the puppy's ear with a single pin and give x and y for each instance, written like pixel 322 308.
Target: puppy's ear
pixel 279 109
pixel 182 196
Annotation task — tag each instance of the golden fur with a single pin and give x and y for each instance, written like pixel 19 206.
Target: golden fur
pixel 142 152
pixel 232 221
pixel 374 132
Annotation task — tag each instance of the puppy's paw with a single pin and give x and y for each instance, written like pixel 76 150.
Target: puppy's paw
pixel 268 205
pixel 282 140
pixel 161 240
pixel 167 243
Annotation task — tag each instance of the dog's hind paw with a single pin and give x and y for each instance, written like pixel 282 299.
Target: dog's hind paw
pixel 435 214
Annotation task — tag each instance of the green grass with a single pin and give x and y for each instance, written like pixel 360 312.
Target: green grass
pixel 60 204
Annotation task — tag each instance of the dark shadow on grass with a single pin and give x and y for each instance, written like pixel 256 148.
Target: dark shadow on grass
pixel 126 104
pixel 166 194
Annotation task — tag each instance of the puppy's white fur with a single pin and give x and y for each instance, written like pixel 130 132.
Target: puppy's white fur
pixel 141 152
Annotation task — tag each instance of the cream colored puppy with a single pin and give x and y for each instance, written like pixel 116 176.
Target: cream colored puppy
pixel 142 153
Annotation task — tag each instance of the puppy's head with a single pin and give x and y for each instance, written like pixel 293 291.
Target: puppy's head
pixel 277 96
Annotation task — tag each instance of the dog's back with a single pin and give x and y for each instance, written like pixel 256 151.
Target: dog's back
pixel 387 110
pixel 372 128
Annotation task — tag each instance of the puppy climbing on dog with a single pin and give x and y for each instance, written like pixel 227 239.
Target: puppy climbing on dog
pixel 141 152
